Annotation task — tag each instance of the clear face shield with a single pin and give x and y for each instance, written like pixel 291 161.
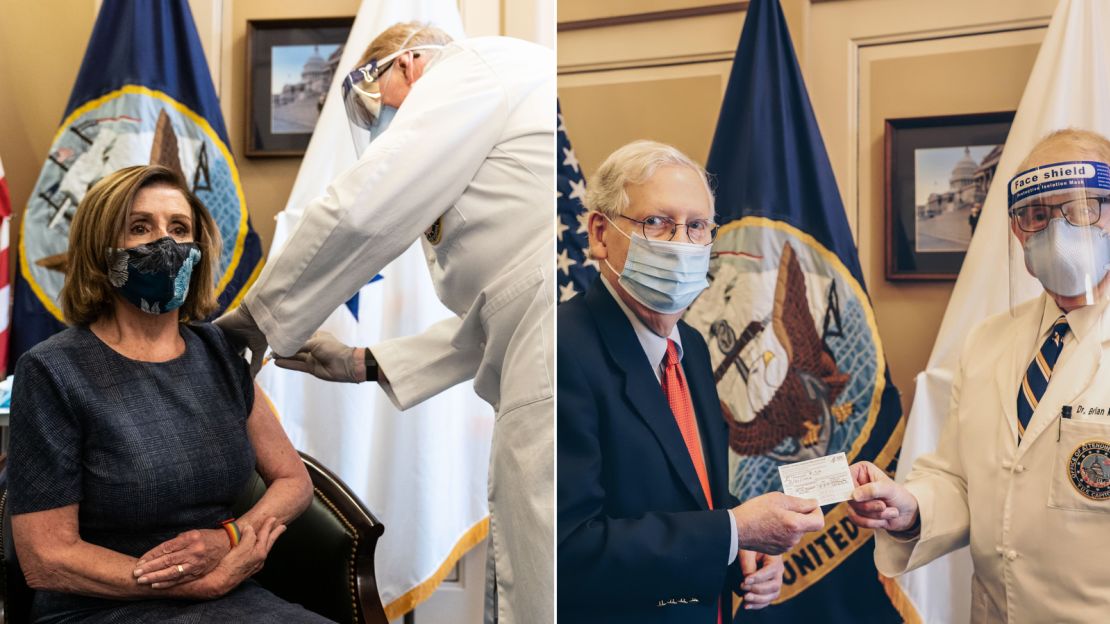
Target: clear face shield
pixel 367 116
pixel 1060 233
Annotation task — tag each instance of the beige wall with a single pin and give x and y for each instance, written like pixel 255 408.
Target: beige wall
pixel 41 47
pixel 909 314
pixel 863 61
pixel 42 44
pixel 266 181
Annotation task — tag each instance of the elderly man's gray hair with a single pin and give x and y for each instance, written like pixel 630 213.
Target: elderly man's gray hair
pixel 1074 140
pixel 634 164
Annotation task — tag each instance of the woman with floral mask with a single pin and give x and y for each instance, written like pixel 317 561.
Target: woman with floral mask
pixel 135 429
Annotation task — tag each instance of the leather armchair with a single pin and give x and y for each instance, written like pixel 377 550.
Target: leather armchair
pixel 324 561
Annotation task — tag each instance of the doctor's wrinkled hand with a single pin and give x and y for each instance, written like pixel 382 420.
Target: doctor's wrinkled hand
pixel 878 502
pixel 243 333
pixel 762 578
pixel 773 523
pixel 325 357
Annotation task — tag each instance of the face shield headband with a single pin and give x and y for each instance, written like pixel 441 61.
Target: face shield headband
pixel 1030 185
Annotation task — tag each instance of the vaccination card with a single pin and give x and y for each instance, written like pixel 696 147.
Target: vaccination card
pixel 826 479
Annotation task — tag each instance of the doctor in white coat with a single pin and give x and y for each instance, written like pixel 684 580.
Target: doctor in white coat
pixel 466 166
pixel 1022 468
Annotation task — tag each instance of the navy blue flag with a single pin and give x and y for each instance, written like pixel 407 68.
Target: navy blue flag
pixel 575 271
pixel 795 348
pixel 143 96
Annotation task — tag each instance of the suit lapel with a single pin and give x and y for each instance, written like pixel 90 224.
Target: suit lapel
pixel 641 388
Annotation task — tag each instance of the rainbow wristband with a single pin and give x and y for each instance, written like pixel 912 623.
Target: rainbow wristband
pixel 233 532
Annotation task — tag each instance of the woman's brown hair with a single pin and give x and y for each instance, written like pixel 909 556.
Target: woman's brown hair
pixel 87 295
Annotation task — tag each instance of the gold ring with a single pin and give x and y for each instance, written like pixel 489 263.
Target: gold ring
pixel 180 569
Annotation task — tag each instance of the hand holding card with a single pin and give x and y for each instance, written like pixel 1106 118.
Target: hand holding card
pixel 879 502
pixel 773 523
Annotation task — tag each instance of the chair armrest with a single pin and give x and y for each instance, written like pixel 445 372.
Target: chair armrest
pixel 325 559
pixel 364 525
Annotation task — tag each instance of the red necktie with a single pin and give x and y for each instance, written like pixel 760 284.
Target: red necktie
pixel 678 396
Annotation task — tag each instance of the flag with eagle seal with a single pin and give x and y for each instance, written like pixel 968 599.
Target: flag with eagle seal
pixel 791 333
pixel 143 95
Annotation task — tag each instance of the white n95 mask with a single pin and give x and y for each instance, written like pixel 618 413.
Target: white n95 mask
pixel 384 120
pixel 665 276
pixel 1066 259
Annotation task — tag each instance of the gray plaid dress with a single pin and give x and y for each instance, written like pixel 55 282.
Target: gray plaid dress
pixel 147 450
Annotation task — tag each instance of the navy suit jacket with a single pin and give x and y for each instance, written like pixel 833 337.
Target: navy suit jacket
pixel 637 541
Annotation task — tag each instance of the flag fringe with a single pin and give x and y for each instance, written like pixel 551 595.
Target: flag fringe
pixel 900 600
pixel 408 601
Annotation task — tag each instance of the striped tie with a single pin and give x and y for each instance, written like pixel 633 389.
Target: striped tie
pixel 1039 372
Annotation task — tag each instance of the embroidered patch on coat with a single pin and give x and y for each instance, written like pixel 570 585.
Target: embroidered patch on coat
pixel 434 234
pixel 1089 469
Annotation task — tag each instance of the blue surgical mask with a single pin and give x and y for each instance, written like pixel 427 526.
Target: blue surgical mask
pixel 1064 257
pixel 665 276
pixel 384 120
pixel 155 276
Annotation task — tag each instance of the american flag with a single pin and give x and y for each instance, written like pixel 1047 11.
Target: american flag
pixel 575 270
pixel 5 287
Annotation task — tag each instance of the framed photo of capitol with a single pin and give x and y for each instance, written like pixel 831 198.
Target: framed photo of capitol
pixel 290 66
pixel 938 171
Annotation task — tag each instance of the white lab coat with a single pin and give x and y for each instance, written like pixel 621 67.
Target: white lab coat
pixel 1037 543
pixel 467 167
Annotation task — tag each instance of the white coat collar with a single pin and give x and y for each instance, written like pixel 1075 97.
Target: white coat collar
pixel 1072 375
pixel 1081 321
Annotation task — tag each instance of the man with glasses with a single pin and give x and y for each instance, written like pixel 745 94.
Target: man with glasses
pixel 1019 472
pixel 456 144
pixel 647 530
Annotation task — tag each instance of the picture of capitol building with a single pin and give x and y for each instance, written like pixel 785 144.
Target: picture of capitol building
pixel 951 184
pixel 296 104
